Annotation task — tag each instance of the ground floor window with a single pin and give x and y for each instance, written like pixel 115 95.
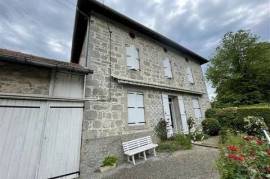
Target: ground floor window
pixel 196 108
pixel 135 108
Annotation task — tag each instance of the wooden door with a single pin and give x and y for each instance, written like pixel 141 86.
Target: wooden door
pixel 21 129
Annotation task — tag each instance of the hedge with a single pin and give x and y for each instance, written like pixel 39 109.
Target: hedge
pixel 233 117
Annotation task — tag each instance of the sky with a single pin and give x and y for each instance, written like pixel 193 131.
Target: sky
pixel 45 27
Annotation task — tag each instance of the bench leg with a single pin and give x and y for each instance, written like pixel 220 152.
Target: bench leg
pixel 133 160
pixel 144 155
pixel 155 152
pixel 128 159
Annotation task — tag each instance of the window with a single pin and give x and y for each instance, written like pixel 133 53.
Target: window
pixel 190 75
pixel 135 108
pixel 132 55
pixel 167 68
pixel 196 108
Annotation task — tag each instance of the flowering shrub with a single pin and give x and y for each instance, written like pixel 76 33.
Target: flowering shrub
pixel 198 135
pixel 244 157
pixel 253 125
pixel 191 123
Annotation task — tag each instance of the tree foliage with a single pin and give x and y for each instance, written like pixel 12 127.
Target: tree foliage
pixel 240 70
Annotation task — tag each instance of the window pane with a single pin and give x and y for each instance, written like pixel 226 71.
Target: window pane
pixel 136 116
pixel 140 115
pixel 132 116
pixel 131 99
pixel 139 99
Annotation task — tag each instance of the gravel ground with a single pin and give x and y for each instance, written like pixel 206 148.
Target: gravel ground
pixel 198 163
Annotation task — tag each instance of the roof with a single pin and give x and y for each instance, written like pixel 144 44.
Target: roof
pixel 18 57
pixel 85 7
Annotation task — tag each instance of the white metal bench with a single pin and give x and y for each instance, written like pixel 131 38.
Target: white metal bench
pixel 138 146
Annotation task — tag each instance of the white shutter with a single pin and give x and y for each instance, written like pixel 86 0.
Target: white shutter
pixel 167 68
pixel 167 115
pixel 132 55
pixel 197 109
pixel 129 57
pixel 135 108
pixel 183 114
pixel 190 75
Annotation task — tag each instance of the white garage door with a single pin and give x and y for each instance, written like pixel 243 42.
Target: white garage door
pixel 39 139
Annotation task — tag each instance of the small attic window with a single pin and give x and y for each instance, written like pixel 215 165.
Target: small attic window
pixel 132 35
pixel 187 60
pixel 165 49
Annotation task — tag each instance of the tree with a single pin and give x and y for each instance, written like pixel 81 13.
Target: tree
pixel 240 70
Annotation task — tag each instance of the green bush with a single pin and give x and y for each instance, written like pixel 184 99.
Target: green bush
pixel 233 117
pixel 109 160
pixel 211 126
pixel 160 130
pixel 210 113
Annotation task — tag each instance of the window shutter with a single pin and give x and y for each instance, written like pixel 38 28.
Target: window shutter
pixel 196 108
pixel 129 57
pixel 135 108
pixel 183 114
pixel 190 75
pixel 167 68
pixel 167 115
pixel 132 55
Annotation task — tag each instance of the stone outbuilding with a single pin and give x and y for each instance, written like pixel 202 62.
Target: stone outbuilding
pixel 41 111
pixel 140 77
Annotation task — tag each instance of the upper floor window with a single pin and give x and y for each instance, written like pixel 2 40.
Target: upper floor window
pixel 132 56
pixel 190 75
pixel 167 68
pixel 135 108
pixel 197 108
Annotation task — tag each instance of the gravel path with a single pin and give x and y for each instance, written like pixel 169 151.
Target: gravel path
pixel 198 163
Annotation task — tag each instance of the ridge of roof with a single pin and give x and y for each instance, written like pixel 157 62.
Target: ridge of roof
pixel 85 7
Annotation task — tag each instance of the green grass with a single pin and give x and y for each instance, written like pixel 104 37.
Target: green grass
pixel 178 142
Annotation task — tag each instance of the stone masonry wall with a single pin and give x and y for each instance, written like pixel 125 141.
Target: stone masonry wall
pixel 16 78
pixel 105 117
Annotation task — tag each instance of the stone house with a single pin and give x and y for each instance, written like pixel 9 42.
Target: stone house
pixel 139 77
pixel 41 111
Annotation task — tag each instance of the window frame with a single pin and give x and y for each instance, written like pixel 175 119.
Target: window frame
pixel 132 123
